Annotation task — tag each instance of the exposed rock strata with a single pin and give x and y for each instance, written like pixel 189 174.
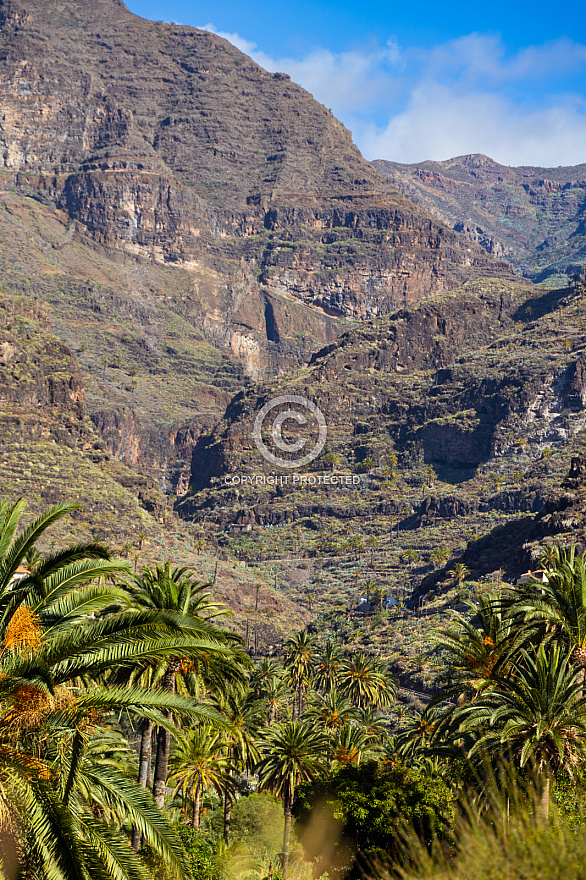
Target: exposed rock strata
pixel 533 217
pixel 167 143
pixel 453 382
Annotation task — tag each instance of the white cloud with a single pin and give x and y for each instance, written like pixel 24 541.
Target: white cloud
pixel 440 125
pixel 466 96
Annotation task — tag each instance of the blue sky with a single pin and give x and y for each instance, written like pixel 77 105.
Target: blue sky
pixel 426 81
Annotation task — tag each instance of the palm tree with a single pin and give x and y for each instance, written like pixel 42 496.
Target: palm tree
pixel 366 681
pixel 69 807
pixel 298 657
pixel 430 475
pixel 263 674
pixel 332 459
pixel 189 603
pixel 277 698
pixel 481 651
pixel 375 723
pixel 52 695
pixel 326 669
pixel 538 715
pixel 389 473
pixel 459 572
pixel 66 632
pixel 198 765
pixel 415 736
pixel 372 544
pixel 410 556
pixel 355 543
pixel 439 556
pixel 331 711
pixel 294 753
pixel 559 604
pixel 351 745
pixel 244 713
pixel 56 586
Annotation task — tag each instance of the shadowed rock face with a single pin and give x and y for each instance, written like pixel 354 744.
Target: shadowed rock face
pixel 453 382
pixel 167 143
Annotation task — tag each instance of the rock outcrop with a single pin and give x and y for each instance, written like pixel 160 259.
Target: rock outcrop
pixel 455 383
pixel 167 143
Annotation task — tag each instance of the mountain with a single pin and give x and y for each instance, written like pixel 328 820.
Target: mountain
pixel 183 236
pixel 444 420
pixel 534 217
pixel 167 143
pixel 192 221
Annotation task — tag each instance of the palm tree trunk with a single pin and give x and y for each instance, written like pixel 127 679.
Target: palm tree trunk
pixel 286 838
pixel 146 748
pixel 164 742
pixel 227 817
pixel 144 767
pixel 196 806
pixel 544 800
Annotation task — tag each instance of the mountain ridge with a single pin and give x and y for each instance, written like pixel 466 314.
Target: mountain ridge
pixel 114 146
pixel 532 215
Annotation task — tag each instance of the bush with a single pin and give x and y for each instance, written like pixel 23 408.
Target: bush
pixel 258 817
pixel 204 861
pixel 514 847
pixel 375 803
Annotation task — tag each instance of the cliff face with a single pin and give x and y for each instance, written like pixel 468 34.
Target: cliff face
pixel 37 370
pixel 167 143
pixel 533 217
pixel 485 385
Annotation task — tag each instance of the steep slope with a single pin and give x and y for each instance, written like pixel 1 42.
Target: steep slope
pixel 450 424
pixel 152 381
pixel 50 452
pixel 534 217
pixel 481 384
pixel 167 143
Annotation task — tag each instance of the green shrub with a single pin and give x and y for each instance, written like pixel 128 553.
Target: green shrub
pixel 375 804
pixel 204 861
pixel 259 818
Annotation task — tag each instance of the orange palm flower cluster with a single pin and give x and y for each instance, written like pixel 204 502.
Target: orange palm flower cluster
pixel 23 633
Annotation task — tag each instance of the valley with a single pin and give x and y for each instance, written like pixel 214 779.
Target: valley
pixel 188 243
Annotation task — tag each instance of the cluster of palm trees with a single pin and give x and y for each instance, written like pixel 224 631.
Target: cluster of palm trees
pixel 293 720
pixel 85 649
pixel 96 659
pixel 515 689
pixel 90 651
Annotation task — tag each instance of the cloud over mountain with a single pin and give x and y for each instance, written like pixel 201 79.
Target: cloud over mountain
pixel 466 96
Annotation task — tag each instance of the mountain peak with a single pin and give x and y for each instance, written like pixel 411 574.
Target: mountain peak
pixel 471 160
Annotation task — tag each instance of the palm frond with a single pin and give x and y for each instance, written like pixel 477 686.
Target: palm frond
pixel 59 584
pixel 15 552
pixel 126 797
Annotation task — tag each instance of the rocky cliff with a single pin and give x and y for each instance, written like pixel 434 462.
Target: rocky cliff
pixel 485 385
pixel 192 221
pixel 167 143
pixel 534 217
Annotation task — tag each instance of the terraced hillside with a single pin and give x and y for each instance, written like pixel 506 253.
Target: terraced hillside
pixel 50 451
pixel 446 420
